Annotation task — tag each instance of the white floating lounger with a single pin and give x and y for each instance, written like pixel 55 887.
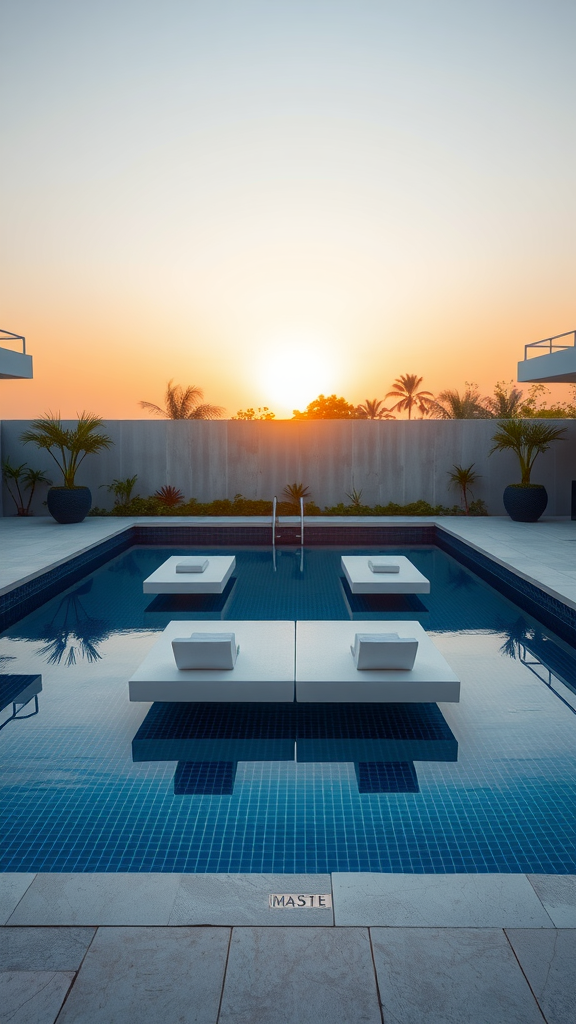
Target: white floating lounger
pixel 183 574
pixel 390 574
pixel 326 672
pixel 263 671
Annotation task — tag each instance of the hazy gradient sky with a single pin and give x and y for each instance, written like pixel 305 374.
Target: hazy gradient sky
pixel 273 198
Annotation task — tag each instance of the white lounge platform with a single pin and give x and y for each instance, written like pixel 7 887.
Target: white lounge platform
pixel 264 670
pixel 362 580
pixel 165 579
pixel 326 673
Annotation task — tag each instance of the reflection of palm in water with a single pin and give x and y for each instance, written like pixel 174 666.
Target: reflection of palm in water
pixel 72 629
pixel 531 645
pixel 458 579
pixel 515 637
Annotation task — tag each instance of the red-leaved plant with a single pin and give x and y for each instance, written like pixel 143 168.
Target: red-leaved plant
pixel 169 496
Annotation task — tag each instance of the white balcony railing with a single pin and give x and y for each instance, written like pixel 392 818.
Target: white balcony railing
pixel 549 345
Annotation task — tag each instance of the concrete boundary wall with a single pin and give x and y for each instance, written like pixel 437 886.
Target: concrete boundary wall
pixel 397 460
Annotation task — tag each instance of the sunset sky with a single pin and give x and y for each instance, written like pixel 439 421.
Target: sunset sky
pixel 274 198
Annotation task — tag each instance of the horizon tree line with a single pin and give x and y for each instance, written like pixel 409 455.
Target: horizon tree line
pixel 507 402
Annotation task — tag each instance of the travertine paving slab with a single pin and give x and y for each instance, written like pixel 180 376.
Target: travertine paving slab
pixel 98 899
pixel 13 885
pixel 43 949
pixel 451 976
pixel 150 976
pixel 558 894
pixel 300 976
pixel 243 900
pixel 442 901
pixel 547 959
pixel 33 997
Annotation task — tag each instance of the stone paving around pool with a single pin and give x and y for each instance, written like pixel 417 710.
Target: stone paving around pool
pixel 106 949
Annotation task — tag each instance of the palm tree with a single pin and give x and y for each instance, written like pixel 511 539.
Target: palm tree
pixel 405 388
pixel 184 404
pixel 451 405
pixel 463 477
pixel 373 410
pixel 22 478
pixel 506 401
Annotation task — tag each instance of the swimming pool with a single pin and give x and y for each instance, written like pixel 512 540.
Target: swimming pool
pixel 93 783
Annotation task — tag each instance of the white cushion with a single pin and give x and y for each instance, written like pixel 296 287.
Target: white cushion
pixel 206 651
pixel 196 565
pixel 384 651
pixel 377 565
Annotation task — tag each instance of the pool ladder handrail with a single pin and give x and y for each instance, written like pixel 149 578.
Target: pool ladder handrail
pixel 274 518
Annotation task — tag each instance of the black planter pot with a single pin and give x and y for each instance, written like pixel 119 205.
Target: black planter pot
pixel 525 504
pixel 69 504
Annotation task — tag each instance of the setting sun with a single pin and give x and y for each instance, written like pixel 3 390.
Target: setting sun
pixel 294 369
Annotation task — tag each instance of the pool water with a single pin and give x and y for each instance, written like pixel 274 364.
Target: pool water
pixel 91 782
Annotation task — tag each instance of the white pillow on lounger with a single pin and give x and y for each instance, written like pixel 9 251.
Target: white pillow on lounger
pixel 373 651
pixel 206 651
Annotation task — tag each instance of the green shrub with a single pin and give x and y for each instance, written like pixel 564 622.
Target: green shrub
pixel 414 508
pixel 241 506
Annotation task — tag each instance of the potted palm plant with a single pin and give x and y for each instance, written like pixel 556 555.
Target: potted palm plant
pixel 68 503
pixel 525 502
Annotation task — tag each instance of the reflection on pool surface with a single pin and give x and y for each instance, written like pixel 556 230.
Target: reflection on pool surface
pixel 94 783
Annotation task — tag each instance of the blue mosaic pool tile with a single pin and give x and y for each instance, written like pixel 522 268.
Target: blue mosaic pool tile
pixel 201 778
pixel 386 777
pixel 94 783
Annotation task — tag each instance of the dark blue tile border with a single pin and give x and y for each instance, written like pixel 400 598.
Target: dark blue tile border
pixel 207 536
pixel 549 610
pixel 24 599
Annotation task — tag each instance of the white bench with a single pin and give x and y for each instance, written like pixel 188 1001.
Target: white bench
pixel 326 673
pixel 264 670
pixel 165 579
pixel 362 580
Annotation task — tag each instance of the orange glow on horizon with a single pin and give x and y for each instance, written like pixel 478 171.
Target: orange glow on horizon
pixel 275 201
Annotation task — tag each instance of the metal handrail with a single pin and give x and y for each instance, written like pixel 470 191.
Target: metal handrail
pixel 547 343
pixel 536 663
pixel 302 522
pixel 274 507
pixel 10 336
